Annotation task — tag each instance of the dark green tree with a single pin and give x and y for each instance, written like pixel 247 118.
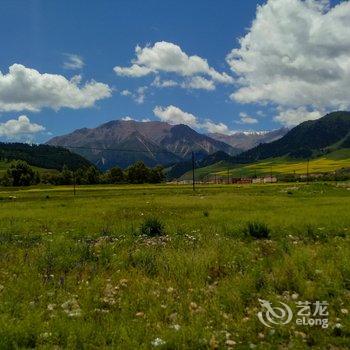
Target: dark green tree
pixel 137 173
pixel 115 175
pixel 20 173
pixel 66 176
pixel 156 175
pixel 92 175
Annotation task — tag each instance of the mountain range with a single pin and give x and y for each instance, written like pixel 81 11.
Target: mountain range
pixel 307 140
pixel 121 143
pixel 246 140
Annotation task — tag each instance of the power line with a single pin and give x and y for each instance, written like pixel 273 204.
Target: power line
pixel 115 149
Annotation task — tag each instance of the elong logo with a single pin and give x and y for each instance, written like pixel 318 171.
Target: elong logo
pixel 282 314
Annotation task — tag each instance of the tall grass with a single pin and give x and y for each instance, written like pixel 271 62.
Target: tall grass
pixel 73 274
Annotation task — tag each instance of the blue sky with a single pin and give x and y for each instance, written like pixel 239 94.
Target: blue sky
pixel 44 35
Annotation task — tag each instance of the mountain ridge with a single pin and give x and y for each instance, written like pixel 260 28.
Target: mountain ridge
pixel 152 142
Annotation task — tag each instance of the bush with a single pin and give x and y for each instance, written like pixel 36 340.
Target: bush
pixel 152 227
pixel 257 230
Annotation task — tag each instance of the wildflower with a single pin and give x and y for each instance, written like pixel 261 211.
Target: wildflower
pixel 124 282
pixel 344 311
pixel 1 287
pixel 71 308
pixel 176 327
pixel 51 307
pixel 230 342
pixel 45 335
pixel 158 342
pixel 140 314
pixel 295 296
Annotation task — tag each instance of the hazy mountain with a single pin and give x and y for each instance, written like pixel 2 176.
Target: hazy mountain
pixel 43 156
pixel 178 169
pixel 308 139
pixel 248 140
pixel 124 142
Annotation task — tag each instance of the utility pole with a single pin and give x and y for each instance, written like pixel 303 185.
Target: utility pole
pixel 193 180
pixel 74 182
pixel 271 174
pixel 307 171
pixel 228 176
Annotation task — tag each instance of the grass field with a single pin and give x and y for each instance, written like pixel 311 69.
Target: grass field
pixel 76 274
pixel 4 166
pixel 333 161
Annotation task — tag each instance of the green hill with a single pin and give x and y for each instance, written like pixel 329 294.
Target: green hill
pixel 41 156
pixel 5 164
pixel 309 139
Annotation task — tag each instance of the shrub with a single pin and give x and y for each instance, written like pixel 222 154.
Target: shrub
pixel 257 230
pixel 152 227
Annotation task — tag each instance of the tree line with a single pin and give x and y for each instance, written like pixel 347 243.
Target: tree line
pixel 20 173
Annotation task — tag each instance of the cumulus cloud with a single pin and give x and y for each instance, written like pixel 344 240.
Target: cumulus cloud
pixel 246 119
pixel 212 127
pixel 125 93
pixel 135 71
pixel 174 115
pixel 170 58
pixel 199 83
pixel 127 119
pixel 20 126
pixel 140 95
pixel 296 54
pixel 158 82
pixel 292 117
pixel 23 88
pixel 73 61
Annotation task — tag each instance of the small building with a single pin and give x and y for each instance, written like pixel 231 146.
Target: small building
pixel 270 179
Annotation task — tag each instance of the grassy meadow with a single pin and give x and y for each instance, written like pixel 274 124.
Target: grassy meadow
pixel 76 273
pixel 278 166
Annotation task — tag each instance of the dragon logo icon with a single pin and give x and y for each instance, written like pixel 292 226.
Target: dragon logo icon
pixel 271 316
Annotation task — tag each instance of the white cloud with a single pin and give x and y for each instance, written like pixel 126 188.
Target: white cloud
pixel 157 82
pixel 125 93
pixel 174 115
pixel 212 127
pixel 296 53
pixel 168 57
pixel 127 118
pixel 134 71
pixel 27 89
pixel 20 126
pixel 199 83
pixel 292 117
pixel 140 95
pixel 246 119
pixel 73 61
